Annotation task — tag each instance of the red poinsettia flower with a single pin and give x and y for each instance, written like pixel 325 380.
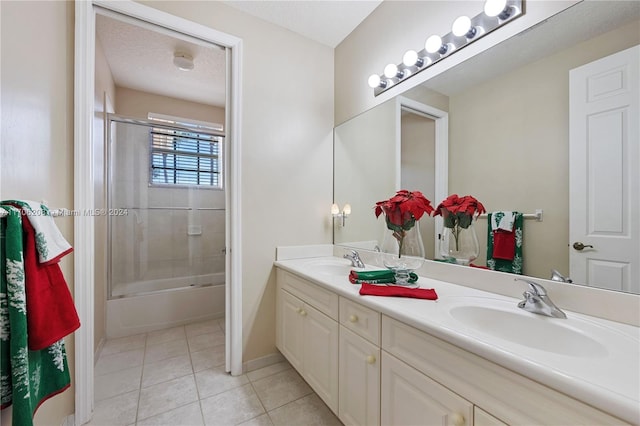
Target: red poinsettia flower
pixel 459 211
pixel 404 209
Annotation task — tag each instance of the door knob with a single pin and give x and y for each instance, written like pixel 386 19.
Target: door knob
pixel 579 246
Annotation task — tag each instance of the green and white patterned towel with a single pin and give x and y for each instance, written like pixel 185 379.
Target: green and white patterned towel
pixel 50 243
pixel 513 266
pixel 27 378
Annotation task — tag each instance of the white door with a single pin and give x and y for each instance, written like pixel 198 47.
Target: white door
pixel 604 169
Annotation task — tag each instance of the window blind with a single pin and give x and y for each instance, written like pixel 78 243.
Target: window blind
pixel 185 158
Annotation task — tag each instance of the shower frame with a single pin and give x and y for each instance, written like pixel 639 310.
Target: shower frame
pixel 111 118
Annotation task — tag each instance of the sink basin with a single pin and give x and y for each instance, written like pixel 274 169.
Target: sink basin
pixel 334 266
pixel 562 336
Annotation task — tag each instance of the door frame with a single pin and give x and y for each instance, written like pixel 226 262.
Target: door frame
pixel 441 119
pixel 84 198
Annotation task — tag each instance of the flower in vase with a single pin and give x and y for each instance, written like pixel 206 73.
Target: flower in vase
pixel 402 211
pixel 458 212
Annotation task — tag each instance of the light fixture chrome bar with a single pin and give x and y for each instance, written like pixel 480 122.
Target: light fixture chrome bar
pixel 416 61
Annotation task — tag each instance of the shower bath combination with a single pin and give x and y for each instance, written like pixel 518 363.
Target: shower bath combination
pixel 166 255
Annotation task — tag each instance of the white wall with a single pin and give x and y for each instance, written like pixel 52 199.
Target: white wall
pixel 287 107
pixel 134 103
pixel 37 131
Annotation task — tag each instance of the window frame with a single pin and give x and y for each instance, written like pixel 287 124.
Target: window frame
pixel 193 130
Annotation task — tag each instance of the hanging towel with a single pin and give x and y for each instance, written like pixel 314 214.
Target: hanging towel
pixel 502 220
pixel 51 244
pixel 504 248
pixel 397 291
pixel 385 276
pixel 28 378
pixel 52 313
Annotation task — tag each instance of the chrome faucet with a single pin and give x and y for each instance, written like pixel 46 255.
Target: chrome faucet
pixel 354 257
pixel 537 301
pixel 557 276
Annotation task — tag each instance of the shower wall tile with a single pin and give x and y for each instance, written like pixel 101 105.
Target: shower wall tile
pixel 157 269
pixel 213 243
pixel 184 268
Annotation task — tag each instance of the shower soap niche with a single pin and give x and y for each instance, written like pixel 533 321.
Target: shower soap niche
pixel 194 230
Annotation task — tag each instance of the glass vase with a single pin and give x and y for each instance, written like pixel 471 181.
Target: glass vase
pixel 402 252
pixel 460 244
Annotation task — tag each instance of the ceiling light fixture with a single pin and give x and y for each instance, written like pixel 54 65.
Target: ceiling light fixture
pixel 183 61
pixel 465 30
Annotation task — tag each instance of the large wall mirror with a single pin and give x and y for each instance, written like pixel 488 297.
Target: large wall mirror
pixel 507 141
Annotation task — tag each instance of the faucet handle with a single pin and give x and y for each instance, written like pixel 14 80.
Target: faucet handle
pixel 536 288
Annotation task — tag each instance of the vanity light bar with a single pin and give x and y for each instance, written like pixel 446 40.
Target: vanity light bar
pixel 464 31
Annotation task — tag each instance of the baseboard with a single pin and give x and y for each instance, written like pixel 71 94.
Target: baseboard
pixel 262 362
pixel 98 351
pixel 70 420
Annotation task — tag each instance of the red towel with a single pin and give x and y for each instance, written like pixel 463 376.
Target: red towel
pixel 504 244
pixel 51 314
pixel 398 291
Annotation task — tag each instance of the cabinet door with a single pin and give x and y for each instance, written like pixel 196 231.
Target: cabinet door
pixel 482 418
pixel 291 329
pixel 359 380
pixel 411 398
pixel 321 355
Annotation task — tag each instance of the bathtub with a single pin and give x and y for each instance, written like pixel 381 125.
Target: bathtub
pixel 145 306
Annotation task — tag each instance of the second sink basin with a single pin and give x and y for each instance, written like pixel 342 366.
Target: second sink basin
pixel 509 323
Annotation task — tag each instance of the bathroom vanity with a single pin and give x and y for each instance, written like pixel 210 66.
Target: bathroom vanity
pixel 469 358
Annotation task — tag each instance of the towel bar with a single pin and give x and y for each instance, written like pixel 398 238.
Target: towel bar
pixel 537 215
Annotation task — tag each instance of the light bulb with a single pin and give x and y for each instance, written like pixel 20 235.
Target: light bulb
pixel 335 209
pixel 374 81
pixel 461 26
pixel 410 58
pixel 494 7
pixel 347 209
pixel 433 44
pixel 391 71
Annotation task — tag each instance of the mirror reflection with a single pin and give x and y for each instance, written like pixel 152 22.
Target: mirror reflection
pixel 509 134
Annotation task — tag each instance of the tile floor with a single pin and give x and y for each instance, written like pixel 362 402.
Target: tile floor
pixel 176 377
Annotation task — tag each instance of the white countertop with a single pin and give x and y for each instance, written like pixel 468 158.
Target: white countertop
pixel 608 380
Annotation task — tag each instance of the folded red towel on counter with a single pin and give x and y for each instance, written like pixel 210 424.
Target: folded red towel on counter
pixel 504 244
pixel 398 291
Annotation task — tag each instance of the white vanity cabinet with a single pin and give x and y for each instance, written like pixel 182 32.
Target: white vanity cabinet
pixel 307 333
pixel 359 383
pixel 411 398
pixel 372 369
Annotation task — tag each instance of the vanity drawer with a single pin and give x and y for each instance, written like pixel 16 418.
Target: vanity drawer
pixel 321 299
pixel 361 320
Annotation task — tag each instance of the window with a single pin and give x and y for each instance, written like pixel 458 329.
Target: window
pixel 185 157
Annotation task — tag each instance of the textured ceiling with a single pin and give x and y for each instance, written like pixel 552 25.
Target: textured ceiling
pixel 142 59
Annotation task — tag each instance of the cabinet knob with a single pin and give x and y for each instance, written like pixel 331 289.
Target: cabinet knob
pixel 457 419
pixel 303 312
pixel 299 310
pixel 353 318
pixel 371 359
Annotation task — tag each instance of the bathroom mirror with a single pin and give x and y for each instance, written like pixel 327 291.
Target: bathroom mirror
pixel 508 114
